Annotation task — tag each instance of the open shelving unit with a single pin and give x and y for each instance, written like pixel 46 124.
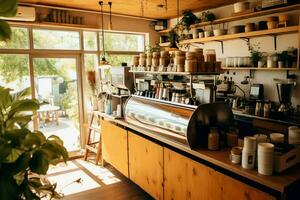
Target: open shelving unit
pixel 176 73
pixel 247 35
pixel 260 69
pixel 249 15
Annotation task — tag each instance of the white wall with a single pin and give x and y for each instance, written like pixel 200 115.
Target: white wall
pixel 239 48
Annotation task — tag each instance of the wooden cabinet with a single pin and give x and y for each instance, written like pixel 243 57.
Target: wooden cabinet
pixel 187 179
pixel 114 146
pixel 146 165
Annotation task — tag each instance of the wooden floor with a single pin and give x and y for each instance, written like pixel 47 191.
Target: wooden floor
pixel 81 180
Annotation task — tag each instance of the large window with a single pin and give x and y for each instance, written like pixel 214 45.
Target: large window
pixel 120 47
pixel 53 39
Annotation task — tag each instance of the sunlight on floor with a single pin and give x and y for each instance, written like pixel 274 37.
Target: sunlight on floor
pixel 102 173
pixel 91 176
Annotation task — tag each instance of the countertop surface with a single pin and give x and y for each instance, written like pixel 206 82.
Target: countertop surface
pixel 291 121
pixel 278 182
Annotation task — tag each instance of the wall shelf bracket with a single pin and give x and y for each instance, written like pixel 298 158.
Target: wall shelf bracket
pixel 245 39
pixel 222 45
pixel 275 41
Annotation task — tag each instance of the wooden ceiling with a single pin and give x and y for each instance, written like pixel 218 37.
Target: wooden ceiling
pixel 155 9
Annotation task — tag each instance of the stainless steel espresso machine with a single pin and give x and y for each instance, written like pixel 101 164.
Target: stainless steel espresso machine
pixel 285 90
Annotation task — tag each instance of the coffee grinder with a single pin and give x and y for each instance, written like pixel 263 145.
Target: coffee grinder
pixel 285 89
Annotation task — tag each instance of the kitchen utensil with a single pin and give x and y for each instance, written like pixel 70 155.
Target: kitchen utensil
pixel 236 155
pixel 249 144
pixel 284 90
pixel 262 25
pixel 261 138
pixel 248 159
pixel 272 24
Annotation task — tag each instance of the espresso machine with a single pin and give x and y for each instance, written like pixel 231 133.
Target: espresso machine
pixel 285 89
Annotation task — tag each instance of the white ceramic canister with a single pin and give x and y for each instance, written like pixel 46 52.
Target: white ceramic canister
pixel 265 158
pixel 248 159
pixel 249 144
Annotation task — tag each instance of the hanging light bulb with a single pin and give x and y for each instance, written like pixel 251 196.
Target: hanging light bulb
pixel 103 59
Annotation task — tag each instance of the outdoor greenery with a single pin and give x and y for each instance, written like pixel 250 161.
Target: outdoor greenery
pixel 25 155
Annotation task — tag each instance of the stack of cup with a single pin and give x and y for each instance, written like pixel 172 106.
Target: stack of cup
pixel 294 135
pixel 249 151
pixel 265 157
pixel 277 138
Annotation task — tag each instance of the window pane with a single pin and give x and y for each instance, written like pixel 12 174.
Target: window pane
pixel 90 61
pixel 14 71
pixel 19 39
pixel 90 40
pixel 49 39
pixel 123 42
pixel 116 60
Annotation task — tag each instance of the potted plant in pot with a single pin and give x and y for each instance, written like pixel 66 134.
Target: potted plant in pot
pixel 292 57
pixel 282 59
pixel 25 155
pixel 256 56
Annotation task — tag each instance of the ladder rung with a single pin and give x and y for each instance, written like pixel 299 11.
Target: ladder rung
pixel 95 129
pixel 91 148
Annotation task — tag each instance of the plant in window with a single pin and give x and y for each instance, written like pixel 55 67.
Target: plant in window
pixel 25 155
pixel 8 8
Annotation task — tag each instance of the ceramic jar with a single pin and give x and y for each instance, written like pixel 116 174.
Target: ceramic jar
pixel 179 61
pixel 190 62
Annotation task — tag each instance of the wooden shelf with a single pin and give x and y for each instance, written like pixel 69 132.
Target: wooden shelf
pixel 176 73
pixel 260 69
pixel 165 31
pixel 249 15
pixel 272 32
pixel 165 44
pixel 57 25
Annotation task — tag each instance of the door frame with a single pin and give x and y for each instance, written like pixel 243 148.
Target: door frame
pixel 80 89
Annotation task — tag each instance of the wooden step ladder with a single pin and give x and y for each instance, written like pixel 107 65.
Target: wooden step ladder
pixel 91 144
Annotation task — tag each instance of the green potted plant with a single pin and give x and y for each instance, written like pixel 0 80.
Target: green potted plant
pixel 8 8
pixel 25 154
pixel 255 54
pixel 292 57
pixel 208 16
pixel 282 59
pixel 188 19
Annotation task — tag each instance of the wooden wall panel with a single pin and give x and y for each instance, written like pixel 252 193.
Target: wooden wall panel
pixel 146 165
pixel 187 179
pixel 114 146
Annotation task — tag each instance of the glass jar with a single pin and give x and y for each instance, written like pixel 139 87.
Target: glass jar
pixel 210 55
pixel 142 60
pixel 179 61
pixel 190 62
pixel 149 60
pixel 155 61
pixel 213 139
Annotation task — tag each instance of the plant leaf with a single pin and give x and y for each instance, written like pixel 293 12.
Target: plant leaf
pixel 5 31
pixel 23 105
pixel 5 149
pixel 13 156
pixel 22 121
pixel 8 188
pixel 33 140
pixel 21 94
pixel 8 8
pixel 39 162
pixel 5 98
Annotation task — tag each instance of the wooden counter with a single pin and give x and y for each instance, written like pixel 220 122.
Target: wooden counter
pixel 276 184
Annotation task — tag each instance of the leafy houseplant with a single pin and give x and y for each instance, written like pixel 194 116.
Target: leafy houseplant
pixel 25 155
pixel 8 8
pixel 256 54
pixel 208 17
